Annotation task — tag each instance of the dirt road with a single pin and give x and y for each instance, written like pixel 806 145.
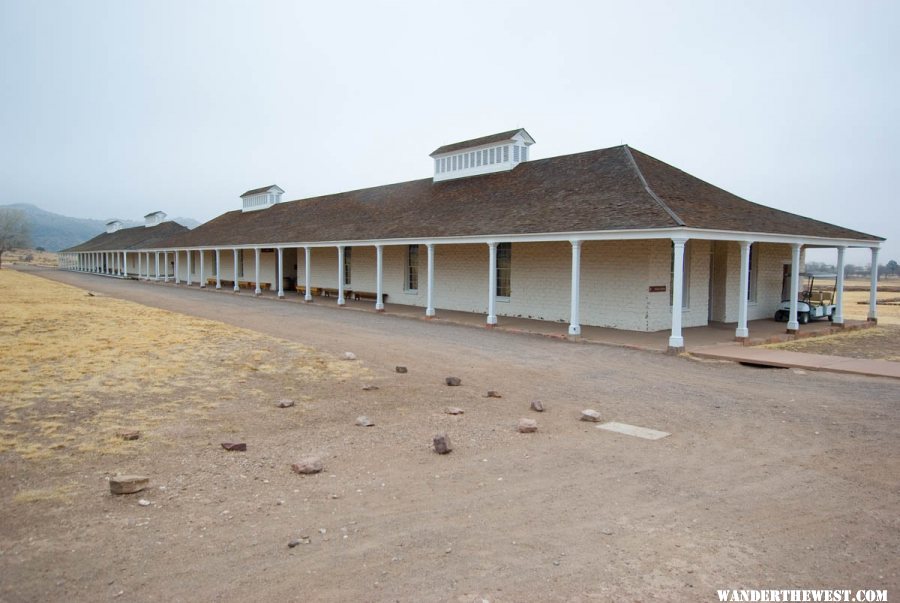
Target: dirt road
pixel 770 479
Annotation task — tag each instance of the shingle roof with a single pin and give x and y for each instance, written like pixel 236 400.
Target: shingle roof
pixel 261 190
pixel 599 190
pixel 475 142
pixel 138 237
pixel 702 205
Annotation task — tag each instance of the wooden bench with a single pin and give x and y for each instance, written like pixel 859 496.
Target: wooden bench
pixel 301 289
pixel 369 296
pixel 252 285
pixel 211 281
pixel 327 292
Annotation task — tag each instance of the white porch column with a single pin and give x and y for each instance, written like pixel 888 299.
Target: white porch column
pixel 188 280
pixel 202 270
pixel 176 266
pixel 125 264
pixel 156 274
pixel 341 301
pixel 105 262
pixel 492 285
pixel 236 287
pixel 873 289
pixel 676 341
pixel 280 275
pixel 218 268
pixel 793 326
pixel 742 332
pixel 139 266
pixel 307 279
pixel 574 318
pixel 165 266
pixel 379 278
pixel 258 291
pixel 838 317
pixel 429 308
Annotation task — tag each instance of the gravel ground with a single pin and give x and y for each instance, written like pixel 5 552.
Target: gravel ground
pixel 770 479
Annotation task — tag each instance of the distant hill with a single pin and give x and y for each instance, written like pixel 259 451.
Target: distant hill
pixel 54 231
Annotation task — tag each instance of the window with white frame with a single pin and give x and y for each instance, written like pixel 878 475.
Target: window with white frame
pixel 240 263
pixel 686 280
pixel 347 254
pixel 193 262
pixel 504 269
pixel 412 268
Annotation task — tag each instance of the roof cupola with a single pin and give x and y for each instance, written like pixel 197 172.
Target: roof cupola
pixel 261 198
pixel 488 154
pixel 152 219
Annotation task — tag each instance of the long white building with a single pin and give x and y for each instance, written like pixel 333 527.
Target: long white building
pixel 611 237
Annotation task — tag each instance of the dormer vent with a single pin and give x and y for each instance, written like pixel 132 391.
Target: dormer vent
pixel 157 217
pixel 488 154
pixel 261 198
pixel 113 226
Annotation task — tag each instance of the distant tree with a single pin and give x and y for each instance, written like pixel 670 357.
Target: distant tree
pixel 39 248
pixel 14 231
pixel 892 267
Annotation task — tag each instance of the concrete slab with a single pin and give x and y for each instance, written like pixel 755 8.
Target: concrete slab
pixel 634 430
pixel 812 362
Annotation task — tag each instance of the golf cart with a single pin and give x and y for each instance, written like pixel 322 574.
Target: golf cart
pixel 816 299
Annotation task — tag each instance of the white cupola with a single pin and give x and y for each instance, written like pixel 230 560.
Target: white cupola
pixel 261 198
pixel 152 219
pixel 113 226
pixel 488 154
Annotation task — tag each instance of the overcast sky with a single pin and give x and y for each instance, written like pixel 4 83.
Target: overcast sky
pixel 118 108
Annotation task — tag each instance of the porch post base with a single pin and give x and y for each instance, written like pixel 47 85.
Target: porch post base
pixel 740 339
pixel 838 323
pixel 792 331
pixel 675 350
pixel 740 333
pixel 379 309
pixel 872 319
pixel 489 325
pixel 307 300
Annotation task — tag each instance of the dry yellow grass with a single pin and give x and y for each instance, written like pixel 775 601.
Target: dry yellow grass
pixel 76 368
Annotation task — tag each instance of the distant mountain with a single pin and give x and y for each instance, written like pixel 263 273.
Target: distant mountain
pixel 54 231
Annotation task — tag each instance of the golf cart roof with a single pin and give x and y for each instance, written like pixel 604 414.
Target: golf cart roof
pixel 818 274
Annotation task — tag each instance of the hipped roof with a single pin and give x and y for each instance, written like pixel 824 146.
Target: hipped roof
pixel 618 188
pixel 138 237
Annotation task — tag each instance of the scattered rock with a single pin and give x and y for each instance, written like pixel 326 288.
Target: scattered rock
pixel 537 406
pixel 527 426
pixel 144 502
pixel 400 369
pixel 453 381
pixel 348 356
pixel 493 394
pixel 799 372
pixel 442 443
pixel 590 415
pixel 364 421
pixel 128 435
pixel 308 465
pixel 285 403
pixel 127 484
pixel 452 410
pixel 293 543
pixel 234 446
pixel 369 388
pixel 606 532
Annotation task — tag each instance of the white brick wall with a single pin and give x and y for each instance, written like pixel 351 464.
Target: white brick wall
pixel 615 279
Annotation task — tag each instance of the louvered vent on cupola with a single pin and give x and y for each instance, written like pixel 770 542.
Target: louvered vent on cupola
pixel 261 198
pixel 495 153
pixel 113 226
